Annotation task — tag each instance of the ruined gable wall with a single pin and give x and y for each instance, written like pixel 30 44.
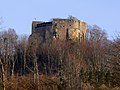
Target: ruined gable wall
pixel 75 28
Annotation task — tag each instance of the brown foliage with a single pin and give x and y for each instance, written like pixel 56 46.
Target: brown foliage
pixel 26 83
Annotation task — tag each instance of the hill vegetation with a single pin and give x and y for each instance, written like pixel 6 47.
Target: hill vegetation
pixel 91 64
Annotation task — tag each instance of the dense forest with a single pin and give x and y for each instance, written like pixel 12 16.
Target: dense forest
pixel 90 64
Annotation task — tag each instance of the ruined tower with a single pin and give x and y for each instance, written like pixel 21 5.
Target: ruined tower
pixel 63 29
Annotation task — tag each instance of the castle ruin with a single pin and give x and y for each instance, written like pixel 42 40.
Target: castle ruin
pixel 62 29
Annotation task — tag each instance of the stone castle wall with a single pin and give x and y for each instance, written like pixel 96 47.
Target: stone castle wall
pixel 63 29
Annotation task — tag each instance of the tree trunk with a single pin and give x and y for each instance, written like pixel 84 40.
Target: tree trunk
pixel 13 69
pixel 36 72
pixel 3 74
pixel 24 61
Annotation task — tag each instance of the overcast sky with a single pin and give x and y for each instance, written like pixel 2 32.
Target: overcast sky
pixel 19 14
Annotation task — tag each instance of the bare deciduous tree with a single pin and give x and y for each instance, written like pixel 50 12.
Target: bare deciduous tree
pixel 7 49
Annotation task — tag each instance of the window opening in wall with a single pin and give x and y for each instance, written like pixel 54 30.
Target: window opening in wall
pixel 67 34
pixel 55 24
pixel 55 34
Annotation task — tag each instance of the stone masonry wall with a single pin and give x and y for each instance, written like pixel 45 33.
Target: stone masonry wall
pixel 60 29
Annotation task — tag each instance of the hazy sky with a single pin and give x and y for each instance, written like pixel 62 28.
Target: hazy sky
pixel 18 14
